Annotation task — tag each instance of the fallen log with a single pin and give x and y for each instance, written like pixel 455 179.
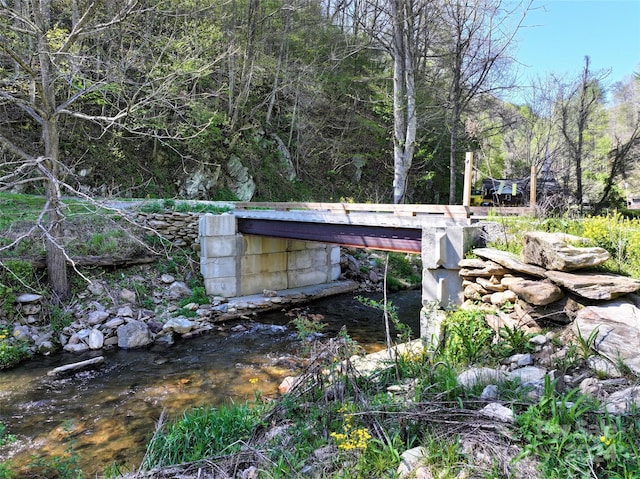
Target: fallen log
pixel 76 366
pixel 40 262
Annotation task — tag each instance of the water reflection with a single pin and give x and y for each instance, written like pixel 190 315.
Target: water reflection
pixel 107 415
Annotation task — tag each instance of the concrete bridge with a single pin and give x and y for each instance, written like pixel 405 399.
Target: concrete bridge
pixel 279 246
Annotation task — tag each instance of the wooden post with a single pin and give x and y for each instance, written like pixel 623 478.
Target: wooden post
pixel 532 186
pixel 468 179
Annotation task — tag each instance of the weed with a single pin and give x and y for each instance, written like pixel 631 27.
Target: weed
pixel 568 435
pixel 402 330
pixel 152 207
pixel 201 433
pixel 380 459
pixel 467 336
pixel 586 346
pixel 59 319
pixel 198 296
pixel 308 327
pixel 513 341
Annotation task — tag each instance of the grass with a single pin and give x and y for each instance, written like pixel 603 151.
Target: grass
pixel 201 433
pixel 167 205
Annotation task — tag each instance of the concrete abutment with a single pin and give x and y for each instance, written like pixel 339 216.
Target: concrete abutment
pixel 235 264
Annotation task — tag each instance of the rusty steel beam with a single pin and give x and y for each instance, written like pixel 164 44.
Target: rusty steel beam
pixel 406 240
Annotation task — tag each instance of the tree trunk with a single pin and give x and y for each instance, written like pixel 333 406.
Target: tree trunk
pixel 455 118
pixel 404 99
pixel 54 241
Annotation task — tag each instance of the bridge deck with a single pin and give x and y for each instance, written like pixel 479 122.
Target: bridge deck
pixel 376 226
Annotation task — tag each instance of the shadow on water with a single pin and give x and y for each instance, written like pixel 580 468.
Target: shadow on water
pixel 107 415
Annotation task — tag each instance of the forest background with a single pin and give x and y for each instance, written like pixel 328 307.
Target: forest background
pixel 281 100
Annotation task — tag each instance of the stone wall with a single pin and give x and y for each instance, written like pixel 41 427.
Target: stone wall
pixel 179 228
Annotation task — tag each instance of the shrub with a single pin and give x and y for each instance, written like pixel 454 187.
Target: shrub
pixel 620 236
pixel 12 350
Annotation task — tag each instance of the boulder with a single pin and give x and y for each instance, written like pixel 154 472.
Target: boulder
pixel 28 298
pixel 491 284
pixel 128 296
pixel 502 298
pixel 178 290
pixel 527 374
pixel 76 347
pixel 95 339
pixel 538 293
pixel 97 317
pixel 410 460
pixel 510 261
pixel 497 412
pixel 180 325
pixel 618 331
pixel 623 401
pixel 125 312
pixel 553 251
pixel 599 286
pixel 474 291
pixel 134 334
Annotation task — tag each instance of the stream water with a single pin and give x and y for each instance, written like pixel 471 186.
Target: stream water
pixel 107 415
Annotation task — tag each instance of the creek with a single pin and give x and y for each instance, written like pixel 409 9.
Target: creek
pixel 106 416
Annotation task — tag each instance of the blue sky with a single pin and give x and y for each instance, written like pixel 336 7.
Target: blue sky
pixel 557 34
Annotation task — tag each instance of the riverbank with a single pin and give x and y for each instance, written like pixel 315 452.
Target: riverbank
pixel 103 418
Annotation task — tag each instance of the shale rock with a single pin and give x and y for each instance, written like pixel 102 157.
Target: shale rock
pixel 618 331
pixel 538 293
pixel 600 286
pixel 510 261
pixel 553 251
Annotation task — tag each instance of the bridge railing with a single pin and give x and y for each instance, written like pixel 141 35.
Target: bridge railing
pixel 446 211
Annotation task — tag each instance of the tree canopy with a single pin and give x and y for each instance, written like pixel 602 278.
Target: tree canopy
pixel 364 100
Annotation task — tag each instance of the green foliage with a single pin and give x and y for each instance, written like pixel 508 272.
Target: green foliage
pixel 18 274
pixel 402 330
pixel 5 471
pixel 5 437
pixel 16 208
pixel 59 319
pixel 168 205
pixel 404 271
pixel 308 327
pixel 513 341
pixel 620 236
pixel 64 466
pixel 568 435
pixel 98 244
pixel 198 296
pixel 586 346
pixel 468 337
pixel 12 350
pixel 201 433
